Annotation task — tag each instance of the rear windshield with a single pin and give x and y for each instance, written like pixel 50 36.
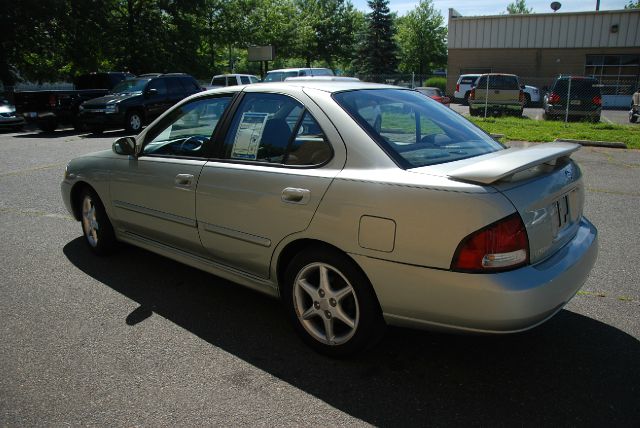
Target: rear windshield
pixel 498 82
pixel 413 129
pixel 279 76
pixel 580 87
pixel 321 72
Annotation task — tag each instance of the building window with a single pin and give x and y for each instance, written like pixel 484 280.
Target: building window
pixel 618 74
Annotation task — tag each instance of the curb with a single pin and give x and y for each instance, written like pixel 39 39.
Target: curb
pixel 608 144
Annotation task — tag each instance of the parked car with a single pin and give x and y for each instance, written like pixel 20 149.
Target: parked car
pixel 282 74
pixel 434 93
pixel 289 190
pixel 51 108
pixel 583 95
pixel 496 94
pixel 532 96
pixel 8 117
pixel 634 112
pixel 463 88
pixel 136 102
pixel 232 80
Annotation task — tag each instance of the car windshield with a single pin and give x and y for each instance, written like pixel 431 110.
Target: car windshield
pixel 130 86
pixel 413 129
pixel 279 76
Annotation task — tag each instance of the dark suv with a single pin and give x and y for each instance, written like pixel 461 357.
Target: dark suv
pixel 583 93
pixel 136 102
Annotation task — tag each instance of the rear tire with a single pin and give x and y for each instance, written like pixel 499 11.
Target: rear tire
pixel 48 125
pixel 96 227
pixel 331 303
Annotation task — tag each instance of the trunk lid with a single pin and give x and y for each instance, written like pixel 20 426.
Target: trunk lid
pixel 544 185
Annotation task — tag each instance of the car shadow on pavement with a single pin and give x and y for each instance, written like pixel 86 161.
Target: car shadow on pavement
pixel 61 133
pixel 572 370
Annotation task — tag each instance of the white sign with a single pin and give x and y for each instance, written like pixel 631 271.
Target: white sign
pixel 247 140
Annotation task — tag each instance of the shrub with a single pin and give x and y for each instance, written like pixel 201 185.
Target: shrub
pixel 437 82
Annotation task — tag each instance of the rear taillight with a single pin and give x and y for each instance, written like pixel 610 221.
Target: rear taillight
pixel 457 87
pixel 521 96
pixel 597 100
pixel 554 98
pixel 52 100
pixel 472 94
pixel 502 245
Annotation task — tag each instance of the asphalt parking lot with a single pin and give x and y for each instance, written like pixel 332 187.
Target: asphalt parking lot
pixel 620 117
pixel 136 339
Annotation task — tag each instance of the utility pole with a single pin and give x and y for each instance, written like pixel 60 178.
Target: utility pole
pixel 597 4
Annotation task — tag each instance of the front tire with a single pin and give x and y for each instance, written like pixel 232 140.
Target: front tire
pixel 96 227
pixel 331 303
pixel 134 122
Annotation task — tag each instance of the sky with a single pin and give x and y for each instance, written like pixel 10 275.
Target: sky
pixel 495 7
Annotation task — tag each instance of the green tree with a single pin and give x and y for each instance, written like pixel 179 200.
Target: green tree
pixel 518 7
pixel 422 39
pixel 325 30
pixel 633 4
pixel 377 54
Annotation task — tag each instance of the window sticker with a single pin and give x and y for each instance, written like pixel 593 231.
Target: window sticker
pixel 248 136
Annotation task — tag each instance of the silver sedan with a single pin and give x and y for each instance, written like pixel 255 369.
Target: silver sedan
pixel 357 204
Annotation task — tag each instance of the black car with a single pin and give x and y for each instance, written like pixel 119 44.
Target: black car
pixel 136 102
pixel 583 95
pixel 50 108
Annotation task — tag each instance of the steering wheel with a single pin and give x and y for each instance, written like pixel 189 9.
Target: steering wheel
pixel 192 144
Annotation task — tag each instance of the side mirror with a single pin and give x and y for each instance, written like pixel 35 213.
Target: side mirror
pixel 125 146
pixel 150 93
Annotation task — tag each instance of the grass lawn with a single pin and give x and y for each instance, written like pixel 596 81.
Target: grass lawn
pixel 523 129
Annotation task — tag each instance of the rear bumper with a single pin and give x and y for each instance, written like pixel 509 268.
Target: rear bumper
pixel 504 302
pixel 491 107
pixel 562 110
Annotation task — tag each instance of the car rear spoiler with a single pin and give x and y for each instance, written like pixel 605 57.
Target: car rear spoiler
pixel 512 161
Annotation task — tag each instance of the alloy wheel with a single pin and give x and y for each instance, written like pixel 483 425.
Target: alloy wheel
pixel 326 304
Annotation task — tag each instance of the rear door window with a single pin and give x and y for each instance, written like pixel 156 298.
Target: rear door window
pixel 174 87
pixel 244 80
pixel 274 128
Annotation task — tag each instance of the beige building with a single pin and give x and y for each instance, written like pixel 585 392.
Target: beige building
pixel 539 47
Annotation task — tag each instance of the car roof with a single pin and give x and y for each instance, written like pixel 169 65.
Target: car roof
pixel 234 74
pixel 499 74
pixel 318 84
pixel 296 69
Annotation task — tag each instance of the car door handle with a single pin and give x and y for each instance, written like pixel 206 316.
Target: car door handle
pixel 293 195
pixel 183 180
